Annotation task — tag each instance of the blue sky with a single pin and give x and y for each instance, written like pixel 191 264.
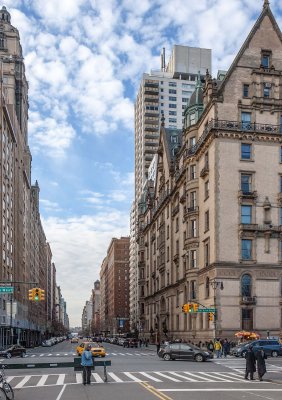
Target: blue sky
pixel 84 60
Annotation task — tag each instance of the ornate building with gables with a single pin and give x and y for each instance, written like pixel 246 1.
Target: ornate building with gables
pixel 210 230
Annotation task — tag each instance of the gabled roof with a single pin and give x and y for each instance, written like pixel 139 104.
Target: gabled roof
pixel 265 12
pixel 172 139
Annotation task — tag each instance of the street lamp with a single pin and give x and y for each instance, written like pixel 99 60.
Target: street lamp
pixel 215 284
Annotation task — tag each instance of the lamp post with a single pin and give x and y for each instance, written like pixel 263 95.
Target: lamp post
pixel 215 284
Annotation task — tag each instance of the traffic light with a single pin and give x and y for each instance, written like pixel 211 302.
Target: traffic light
pixel 36 294
pixel 195 307
pixel 31 294
pixel 42 294
pixel 187 308
pixel 210 316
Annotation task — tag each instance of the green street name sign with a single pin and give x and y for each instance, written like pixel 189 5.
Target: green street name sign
pixel 213 310
pixel 6 289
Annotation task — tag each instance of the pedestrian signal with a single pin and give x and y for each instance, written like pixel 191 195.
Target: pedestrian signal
pixel 42 294
pixel 195 307
pixel 31 294
pixel 36 294
pixel 210 316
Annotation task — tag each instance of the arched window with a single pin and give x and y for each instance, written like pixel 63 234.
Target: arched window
pixel 246 285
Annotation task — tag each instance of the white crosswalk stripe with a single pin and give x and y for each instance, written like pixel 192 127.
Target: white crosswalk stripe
pixel 120 377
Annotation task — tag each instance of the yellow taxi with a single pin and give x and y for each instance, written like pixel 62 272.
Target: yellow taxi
pixel 96 350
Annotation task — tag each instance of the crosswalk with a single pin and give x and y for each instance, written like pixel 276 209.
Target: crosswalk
pixel 239 364
pixel 68 354
pixel 20 382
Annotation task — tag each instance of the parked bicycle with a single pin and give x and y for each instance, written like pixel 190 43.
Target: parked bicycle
pixel 5 386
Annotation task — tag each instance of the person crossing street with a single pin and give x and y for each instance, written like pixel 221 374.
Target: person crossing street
pixel 87 363
pixel 250 363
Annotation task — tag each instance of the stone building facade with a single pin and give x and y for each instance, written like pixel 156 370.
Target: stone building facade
pixel 210 229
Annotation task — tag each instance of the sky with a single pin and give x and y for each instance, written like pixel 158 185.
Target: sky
pixel 84 60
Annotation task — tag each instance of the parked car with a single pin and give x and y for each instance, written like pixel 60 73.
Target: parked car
pixel 130 342
pixel 271 348
pixel 14 350
pixel 96 350
pixel 46 343
pixel 183 351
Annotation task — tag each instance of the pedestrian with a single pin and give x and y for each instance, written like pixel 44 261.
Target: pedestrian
pixel 226 347
pixel 261 357
pixel 218 349
pixel 210 346
pixel 158 346
pixel 87 363
pixel 140 342
pixel 250 363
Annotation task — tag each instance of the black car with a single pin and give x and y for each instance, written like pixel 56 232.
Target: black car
pixel 130 342
pixel 183 351
pixel 14 350
pixel 271 348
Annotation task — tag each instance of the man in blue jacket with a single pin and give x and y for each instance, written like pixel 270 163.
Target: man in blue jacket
pixel 87 363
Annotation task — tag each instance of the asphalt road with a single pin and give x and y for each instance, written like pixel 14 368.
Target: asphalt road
pixel 138 374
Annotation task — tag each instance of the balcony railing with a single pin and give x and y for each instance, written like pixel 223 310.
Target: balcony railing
pixel 248 300
pixel 234 126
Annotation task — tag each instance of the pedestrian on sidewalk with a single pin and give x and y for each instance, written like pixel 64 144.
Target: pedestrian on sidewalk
pixel 250 363
pixel 218 349
pixel 261 367
pixel 87 363
pixel 226 348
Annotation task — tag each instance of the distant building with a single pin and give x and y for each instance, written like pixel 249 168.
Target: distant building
pixel 114 278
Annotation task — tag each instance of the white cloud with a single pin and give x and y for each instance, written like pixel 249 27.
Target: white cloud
pixel 49 205
pixel 79 245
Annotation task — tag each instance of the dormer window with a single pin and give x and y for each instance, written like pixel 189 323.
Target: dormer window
pixel 265 59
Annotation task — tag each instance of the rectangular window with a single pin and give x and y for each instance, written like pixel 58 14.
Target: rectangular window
pixel 172 91
pixel 246 214
pixel 176 224
pixel 246 183
pixel 281 184
pixel 193 200
pixel 172 105
pixel 184 99
pixel 246 120
pixel 207 221
pixel 280 123
pixel 192 172
pixel 246 249
pixel 193 290
pixel 265 60
pixel 193 228
pixel 246 90
pixel 246 151
pixel 172 113
pixel 281 154
pixel 172 84
pixel 207 253
pixel 266 91
pixel 171 98
pixel 172 120
pixel 193 259
pixel 192 141
pixel 167 253
pixel 206 189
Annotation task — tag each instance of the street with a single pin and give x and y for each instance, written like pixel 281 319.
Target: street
pixel 139 374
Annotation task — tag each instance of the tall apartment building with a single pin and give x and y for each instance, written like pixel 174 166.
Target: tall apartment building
pixel 210 230
pixel 163 93
pixel 96 294
pixel 25 255
pixel 114 278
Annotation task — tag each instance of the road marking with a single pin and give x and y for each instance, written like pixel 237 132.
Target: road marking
pixel 197 376
pixel 154 391
pixel 137 354
pixel 122 354
pixel 61 379
pixel 61 392
pixel 49 355
pixel 66 354
pixel 33 355
pixel 129 354
pixel 216 377
pixel 97 377
pixel 78 377
pixel 167 377
pixel 134 378
pixel 183 377
pixel 9 378
pixel 42 380
pixel 220 390
pixel 57 354
pixel 150 376
pixel 41 355
pixel 227 374
pixel 115 377
pixel 114 354
pixel 23 382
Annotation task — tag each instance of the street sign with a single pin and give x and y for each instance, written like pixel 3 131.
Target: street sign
pixel 213 310
pixel 6 289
